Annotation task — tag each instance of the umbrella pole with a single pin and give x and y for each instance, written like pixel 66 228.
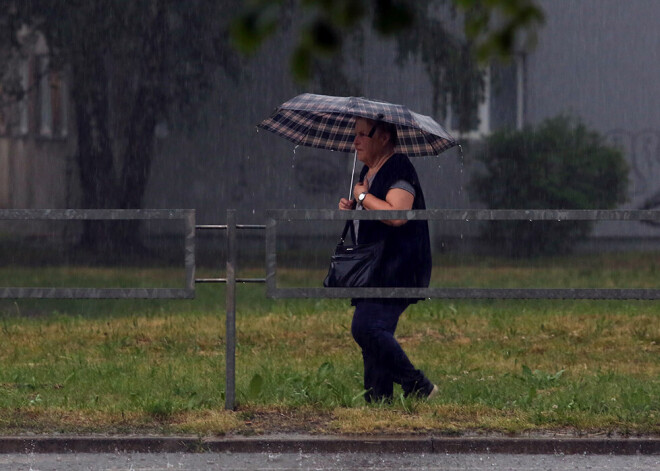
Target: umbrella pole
pixel 350 190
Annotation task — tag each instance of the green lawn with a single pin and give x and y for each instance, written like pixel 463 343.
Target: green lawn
pixel 81 366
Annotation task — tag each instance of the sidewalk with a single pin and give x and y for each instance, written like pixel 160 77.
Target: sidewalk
pixel 329 444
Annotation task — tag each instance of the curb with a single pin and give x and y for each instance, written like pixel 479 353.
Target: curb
pixel 326 444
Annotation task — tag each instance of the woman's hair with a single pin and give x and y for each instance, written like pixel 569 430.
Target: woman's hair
pixel 387 128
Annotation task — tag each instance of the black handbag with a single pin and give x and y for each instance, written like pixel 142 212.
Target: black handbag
pixel 356 265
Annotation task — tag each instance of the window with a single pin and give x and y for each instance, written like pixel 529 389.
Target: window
pixel 36 97
pixel 14 112
pixel 51 100
pixel 4 118
pixel 503 104
pixel 22 127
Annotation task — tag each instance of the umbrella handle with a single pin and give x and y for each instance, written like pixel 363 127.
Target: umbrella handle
pixel 350 190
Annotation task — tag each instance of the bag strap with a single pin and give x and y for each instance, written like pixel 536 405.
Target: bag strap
pixel 349 225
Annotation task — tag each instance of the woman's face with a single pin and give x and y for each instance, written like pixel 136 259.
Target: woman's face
pixel 368 148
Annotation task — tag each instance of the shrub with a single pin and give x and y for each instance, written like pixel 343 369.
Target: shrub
pixel 558 165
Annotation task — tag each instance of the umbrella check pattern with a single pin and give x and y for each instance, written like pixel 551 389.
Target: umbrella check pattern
pixel 327 122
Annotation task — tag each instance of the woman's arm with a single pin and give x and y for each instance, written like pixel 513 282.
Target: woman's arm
pixel 346 204
pixel 396 199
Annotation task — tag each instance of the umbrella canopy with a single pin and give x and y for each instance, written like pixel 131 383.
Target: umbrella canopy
pixel 328 122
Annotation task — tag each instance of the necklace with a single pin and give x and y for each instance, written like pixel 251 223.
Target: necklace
pixel 372 170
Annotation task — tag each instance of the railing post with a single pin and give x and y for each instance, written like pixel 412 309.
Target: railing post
pixel 230 321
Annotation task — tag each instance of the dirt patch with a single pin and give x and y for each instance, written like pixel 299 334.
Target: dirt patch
pixel 261 421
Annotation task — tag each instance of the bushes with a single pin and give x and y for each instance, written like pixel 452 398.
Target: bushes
pixel 558 165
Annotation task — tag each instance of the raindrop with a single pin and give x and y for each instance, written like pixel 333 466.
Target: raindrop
pixel 461 168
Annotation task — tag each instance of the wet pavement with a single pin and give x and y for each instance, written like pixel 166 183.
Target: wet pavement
pixel 307 452
pixel 321 461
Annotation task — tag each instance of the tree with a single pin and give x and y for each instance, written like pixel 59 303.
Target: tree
pixel 492 29
pixel 161 54
pixel 560 164
pixel 156 53
pixel 495 27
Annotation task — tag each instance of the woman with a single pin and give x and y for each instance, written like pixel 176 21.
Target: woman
pixel 388 181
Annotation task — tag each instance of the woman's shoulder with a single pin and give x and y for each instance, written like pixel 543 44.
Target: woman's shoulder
pixel 400 158
pixel 401 167
pixel 398 161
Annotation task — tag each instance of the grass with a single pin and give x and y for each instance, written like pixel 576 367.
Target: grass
pixel 118 366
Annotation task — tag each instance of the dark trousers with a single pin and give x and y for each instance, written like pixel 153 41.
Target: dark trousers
pixel 385 362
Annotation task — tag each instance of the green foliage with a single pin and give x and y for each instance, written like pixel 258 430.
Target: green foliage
pixel 494 25
pixel 131 64
pixel 449 62
pixel 558 165
pixel 332 34
pixel 256 385
pixel 165 45
pixel 422 29
pixel 130 366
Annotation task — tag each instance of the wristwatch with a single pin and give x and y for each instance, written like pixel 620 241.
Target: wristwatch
pixel 362 196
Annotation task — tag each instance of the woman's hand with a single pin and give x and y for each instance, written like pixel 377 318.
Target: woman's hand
pixel 359 188
pixel 396 199
pixel 346 204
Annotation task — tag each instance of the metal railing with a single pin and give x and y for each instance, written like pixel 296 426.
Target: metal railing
pixel 273 216
pixel 185 215
pixel 273 291
pixel 230 298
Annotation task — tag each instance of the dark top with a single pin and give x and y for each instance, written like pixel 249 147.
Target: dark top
pixel 407 253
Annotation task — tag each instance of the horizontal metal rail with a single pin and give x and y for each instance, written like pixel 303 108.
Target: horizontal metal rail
pixel 273 216
pixel 224 280
pixel 211 226
pixel 224 227
pixel 468 215
pixel 185 215
pixel 95 214
pixel 466 293
pixel 96 293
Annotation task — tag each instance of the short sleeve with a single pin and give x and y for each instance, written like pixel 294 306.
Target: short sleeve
pixel 404 185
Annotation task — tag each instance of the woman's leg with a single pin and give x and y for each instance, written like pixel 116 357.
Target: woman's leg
pixel 385 362
pixel 367 322
pixel 378 381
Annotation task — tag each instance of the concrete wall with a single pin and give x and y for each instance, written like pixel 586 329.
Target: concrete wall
pixel 227 163
pixel 599 60
pixel 35 173
pixel 596 59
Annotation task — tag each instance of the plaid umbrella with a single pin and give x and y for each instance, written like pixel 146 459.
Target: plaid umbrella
pixel 328 122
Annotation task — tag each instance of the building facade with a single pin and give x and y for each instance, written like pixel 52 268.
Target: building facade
pixel 595 60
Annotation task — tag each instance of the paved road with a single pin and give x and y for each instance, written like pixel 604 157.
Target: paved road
pixel 322 461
